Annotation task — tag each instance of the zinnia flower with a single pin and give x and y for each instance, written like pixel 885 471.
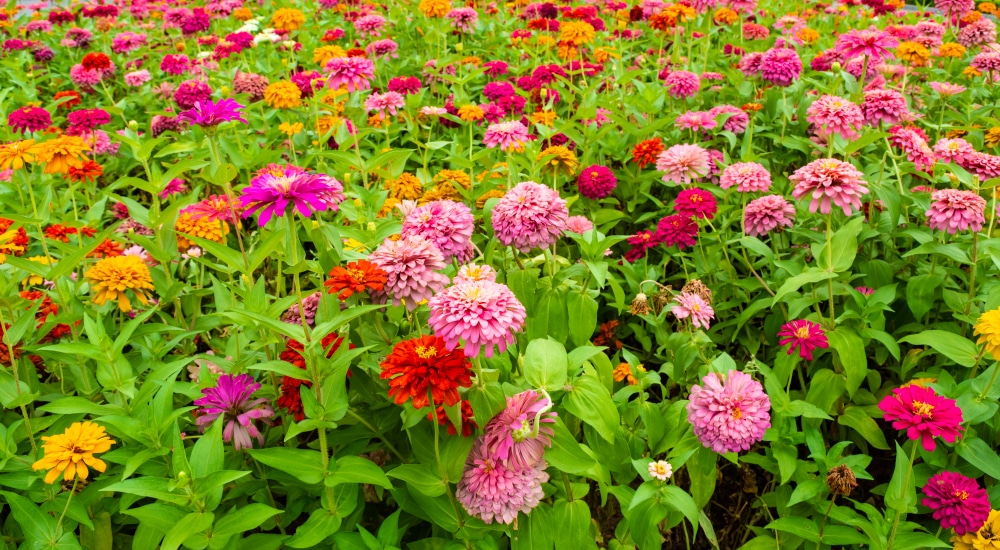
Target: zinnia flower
pixel 283 95
pixel 70 452
pixel 647 152
pixel 411 266
pixel 730 412
pixel 509 136
pixel 888 106
pixel 661 470
pixel 985 537
pixel 695 203
pixel 828 181
pixel 683 163
pixel 482 313
pixel 493 491
pixel 273 191
pixel 518 435
pixel 358 276
pixel 748 177
pixel 29 119
pixel 954 210
pixel 872 43
pixel 988 329
pixel 424 368
pixel 60 154
pixel 835 115
pixel 596 182
pixel 676 230
pixel 695 307
pixel 530 216
pixel 232 399
pixel 958 502
pixel 447 224
pixel 352 72
pixel 682 84
pixel 802 336
pixel 211 113
pixel 111 277
pixel 923 414
pixel 780 66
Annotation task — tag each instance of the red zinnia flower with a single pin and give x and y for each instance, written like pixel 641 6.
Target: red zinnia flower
pixel 89 171
pixel 676 230
pixel 356 277
pixel 291 398
pixel 804 336
pixel 468 422
pixel 20 236
pixel 923 414
pixel 96 61
pixel 107 249
pixel 646 152
pixel 59 232
pixel 421 364
pixel 73 101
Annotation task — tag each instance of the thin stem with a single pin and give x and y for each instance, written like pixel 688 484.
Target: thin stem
pixel 829 262
pixel 375 430
pixel 823 523
pixel 906 484
pixel 69 499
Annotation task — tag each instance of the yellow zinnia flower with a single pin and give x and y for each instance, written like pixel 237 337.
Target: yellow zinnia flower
pixel 470 113
pixel 988 329
pixel 288 19
pixel 405 187
pixel 986 537
pixel 202 227
pixel 725 16
pixel 283 95
pixel 576 32
pixel 560 159
pixel 62 153
pixel 36 279
pixel 545 118
pixel 290 129
pixel 913 53
pixel 951 49
pixel 70 452
pixel 992 137
pixel 7 245
pixel 434 8
pixel 323 54
pixel 16 154
pixel 111 277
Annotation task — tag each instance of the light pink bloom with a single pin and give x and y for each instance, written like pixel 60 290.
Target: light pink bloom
pixel 767 213
pixel 383 103
pixel 579 224
pixel 829 181
pixel 683 163
pixel 511 437
pixel 530 216
pixel 748 177
pixel 831 114
pixel 946 89
pixel 447 224
pixel 491 491
pixel 483 314
pixel 696 120
pixel 471 273
pixel 695 307
pixel 953 150
pixel 411 264
pixel 730 412
pixel 509 136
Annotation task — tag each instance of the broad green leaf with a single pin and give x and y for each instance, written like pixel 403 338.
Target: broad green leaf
pixel 354 469
pixel 958 349
pixel 546 364
pixel 582 317
pixel 190 525
pixel 851 352
pixel 857 418
pixel 243 518
pixel 305 464
pixel 976 452
pixel 321 524
pixel 798 281
pixel 573 519
pixel 920 291
pixel 590 401
pixel 902 494
pixel 419 477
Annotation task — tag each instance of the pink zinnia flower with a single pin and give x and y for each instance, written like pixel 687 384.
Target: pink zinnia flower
pixel 483 314
pixel 530 216
pixel 272 192
pixel 954 210
pixel 29 119
pixel 470 273
pixel 958 502
pixel 137 78
pixel 173 187
pixel 802 336
pixel 767 213
pixel 190 92
pixel 695 203
pixel 953 150
pixel 676 230
pixel 696 120
pixel 695 307
pixel 509 136
pixel 463 20
pixel 872 43
pixel 387 102
pixel 683 163
pixel 750 64
pixel 353 72
pixel 491 491
pixel 982 31
pixel 682 84
pixel 596 182
pixel 780 66
pixel 831 114
pixel 914 145
pixel 959 7
pixel 748 177
pixel 447 224
pixel 519 435
pixel 579 224
pixel 411 265
pixel 369 24
pixel 232 399
pixel 737 120
pixel 730 412
pixel 923 414
pixel 887 106
pixel 983 165
pixel 829 181
pixel 946 89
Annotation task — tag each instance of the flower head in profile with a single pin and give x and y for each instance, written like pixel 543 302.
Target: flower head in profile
pixel 355 277
pixel 232 399
pixel 411 265
pixel 958 502
pixel 71 452
pixel 923 414
pixel 683 163
pixel 694 307
pixel 111 277
pixel 424 368
pixel 493 491
pixel 211 113
pixel 471 273
pixel 955 210
pixel 802 336
pixel 482 313
pixel 530 216
pixel 274 190
pixel 730 412
pixel 829 182
pixel 519 435
pixel 988 330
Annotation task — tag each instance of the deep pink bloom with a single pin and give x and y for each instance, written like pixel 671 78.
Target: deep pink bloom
pixel 447 224
pixel 958 502
pixel 730 412
pixel 914 145
pixel 873 43
pixel 530 216
pixel 835 115
pixel 954 210
pixel 695 203
pixel 888 106
pixel 802 336
pixel 232 399
pixel 682 84
pixel 983 165
pixel 748 177
pixel 737 121
pixel 463 19
pixel 411 265
pixel 211 113
pixel 274 190
pixel 173 187
pixel 695 307
pixel 923 414
pixel 175 64
pixel 641 242
pixel 958 7
pixel 29 119
pixel 509 136
pixel 191 92
pixel 953 150
pixel 683 163
pixel 511 437
pixel 829 181
pixel 596 181
pixel 766 214
pixel 676 230
pixel 491 491
pixel 780 66
pixel 483 314
pixel 369 25
pixel 353 72
pixel 87 119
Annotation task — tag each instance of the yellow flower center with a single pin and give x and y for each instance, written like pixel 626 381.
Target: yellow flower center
pixel 736 414
pixel 356 274
pixel 923 409
pixel 660 468
pixel 802 332
pixel 696 308
pixel 425 352
pixel 961 495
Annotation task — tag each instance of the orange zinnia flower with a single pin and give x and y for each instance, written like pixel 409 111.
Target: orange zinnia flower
pixel 424 365
pixel 647 151
pixel 356 277
pixel 88 172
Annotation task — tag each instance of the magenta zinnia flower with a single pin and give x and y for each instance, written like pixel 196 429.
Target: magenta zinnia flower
pixel 447 224
pixel 353 72
pixel 695 307
pixel 730 412
pixel 211 113
pixel 695 203
pixel 737 121
pixel 748 177
pixel 491 491
pixel 828 181
pixel 530 216
pixel 683 163
pixel 835 115
pixel 29 119
pixel 802 336
pixel 232 399
pixel 871 43
pixel 682 84
pixel 274 190
pixel 482 313
pixel 923 414
pixel 518 435
pixel 676 230
pixel 954 210
pixel 596 182
pixel 958 502
pixel 509 136
pixel 411 265
pixel 780 66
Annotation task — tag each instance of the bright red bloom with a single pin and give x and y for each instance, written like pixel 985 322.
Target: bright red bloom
pixel 358 276
pixel 20 236
pixel 646 152
pixel 89 171
pixel 60 232
pixel 923 414
pixel 291 398
pixel 468 419
pixel 421 364
pixel 73 101
pixel 107 249
pixel 96 61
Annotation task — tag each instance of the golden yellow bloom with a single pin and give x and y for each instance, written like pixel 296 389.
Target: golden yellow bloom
pixel 971 17
pixel 111 277
pixel 434 8
pixel 31 280
pixel 378 121
pixel 354 245
pixel 242 14
pixel 986 537
pixel 283 95
pixel 952 134
pixel 327 123
pixel 545 40
pixel 566 50
pixel 624 372
pixel 680 12
pixel 202 227
pixel 70 452
pixel 446 185
pixel 290 129
pixel 323 54
pixel 7 245
pixel 921 382
pixel 405 187
pixel 288 19
pixel 988 329
pixel 470 113
pixel 951 49
pixel 472 60
pixel 16 154
pixel 577 32
pixel 387 207
pixel 987 7
pixel 913 53
pixel 971 72
pixel 60 154
pixel 491 194
pixel 725 16
pixel 992 136
pixel 545 118
pixel 896 4
pixel 808 36
pixel 558 159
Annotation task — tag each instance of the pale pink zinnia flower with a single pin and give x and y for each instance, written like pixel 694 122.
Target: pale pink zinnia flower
pixel 483 314
pixel 946 89
pixel 411 264
pixel 492 491
pixel 369 24
pixel 730 412
pixel 767 213
pixel 914 145
pixel 829 181
pixel 579 224
pixel 471 273
pixel 530 216
pixel 696 120
pixel 748 177
pixel 509 136
pixel 954 210
pixel 831 114
pixel 447 224
pixel 388 102
pixel 953 150
pixel 873 43
pixel 463 20
pixel 661 470
pixel 695 307
pixel 353 72
pixel 683 163
pixel 519 435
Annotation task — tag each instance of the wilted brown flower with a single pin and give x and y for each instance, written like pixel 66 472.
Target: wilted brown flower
pixel 841 480
pixel 640 305
pixel 695 286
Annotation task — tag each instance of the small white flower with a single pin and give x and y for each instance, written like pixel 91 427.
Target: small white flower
pixel 661 470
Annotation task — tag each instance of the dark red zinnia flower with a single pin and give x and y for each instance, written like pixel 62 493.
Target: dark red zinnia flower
pixel 468 419
pixel 291 397
pixel 676 230
pixel 96 61
pixel 423 366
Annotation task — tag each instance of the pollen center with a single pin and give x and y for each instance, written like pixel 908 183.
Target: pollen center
pixel 923 409
pixel 737 413
pixel 802 332
pixel 425 352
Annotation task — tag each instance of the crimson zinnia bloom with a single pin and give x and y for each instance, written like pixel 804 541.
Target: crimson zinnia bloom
pixel 676 230
pixel 923 414
pixel 425 365
pixel 29 119
pixel 958 502
pixel 804 336
pixel 356 277
pixel 696 203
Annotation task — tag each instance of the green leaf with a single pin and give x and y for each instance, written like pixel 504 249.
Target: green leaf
pixel 851 352
pixel 243 518
pixel 976 452
pixel 590 401
pixel 857 418
pixel 421 478
pixel 546 364
pixel 795 283
pixel 844 247
pixel 190 525
pixel 678 499
pixel 958 349
pixel 902 493
pixel 582 316
pixel 566 453
pixel 321 524
pixel 487 401
pixel 800 527
pixel 306 465
pixel 703 474
pixel 147 486
pixel 920 292
pixel 948 250
pixel 522 283
pixel 354 469
pixel 549 317
pixel 573 519
pixel 807 490
pixel 283 368
pixel 38 527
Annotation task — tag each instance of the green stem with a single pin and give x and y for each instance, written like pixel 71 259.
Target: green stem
pixel 906 484
pixel 69 499
pixel 829 262
pixel 375 430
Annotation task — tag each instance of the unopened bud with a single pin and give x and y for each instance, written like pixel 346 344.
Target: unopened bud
pixel 836 66
pixel 133 125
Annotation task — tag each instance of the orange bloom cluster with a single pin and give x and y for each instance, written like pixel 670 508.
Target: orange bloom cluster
pixel 60 232
pixel 107 249
pixel 423 366
pixel 646 152
pixel 358 276
pixel 20 240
